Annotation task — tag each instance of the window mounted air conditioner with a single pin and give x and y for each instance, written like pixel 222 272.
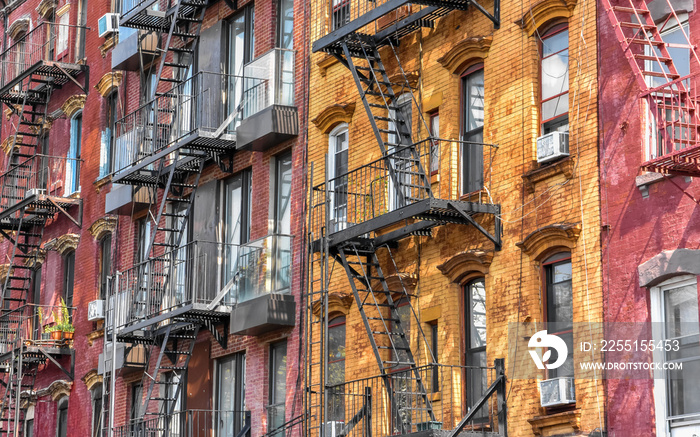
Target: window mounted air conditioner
pixel 333 429
pixel 34 192
pixel 557 392
pixel 96 310
pixel 108 23
pixel 552 146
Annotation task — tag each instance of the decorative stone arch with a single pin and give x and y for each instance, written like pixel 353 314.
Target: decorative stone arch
pixel 37 260
pixel 103 226
pixel 63 244
pixel 333 115
pixel 545 12
pixel 338 304
pixel 73 104
pixel 19 28
pixel 7 143
pixel 57 390
pixel 545 241
pixel 92 379
pixel 4 270
pixel 464 54
pixel 668 264
pixel 109 83
pixel 466 266
pixel 46 8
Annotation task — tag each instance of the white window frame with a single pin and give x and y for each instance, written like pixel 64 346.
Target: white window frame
pixel 340 219
pixel 663 427
pixel 72 157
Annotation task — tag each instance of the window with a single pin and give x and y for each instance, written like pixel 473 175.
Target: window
pixel 177 220
pixel 435 146
pixel 337 168
pixel 435 379
pixel 283 223
pixel 135 407
pixel 336 369
pixel 240 49
pixel 285 24
pixel 401 380
pixel 475 344
pixel 554 80
pixel 341 13
pixel 109 135
pixel 237 218
pixel 96 394
pixel 674 308
pixel 36 300
pixel 230 393
pixel 558 308
pixel 472 152
pixel 73 161
pixel 278 387
pixel 105 264
pixel 144 236
pixel 62 418
pixel 81 30
pixel 400 126
pixel 68 278
pixel 175 422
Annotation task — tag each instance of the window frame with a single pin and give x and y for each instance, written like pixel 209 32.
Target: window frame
pixel 338 211
pixel 470 352
pixel 62 417
pixel 105 265
pixel 274 404
pixel 546 267
pixel 551 31
pixel 434 117
pixel 74 154
pixel 239 387
pixel 333 324
pixel 69 279
pixel 475 148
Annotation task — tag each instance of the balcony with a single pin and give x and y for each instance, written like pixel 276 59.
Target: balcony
pixel 22 332
pixel 153 14
pixel 49 51
pixel 190 423
pixel 368 202
pixel 269 113
pixel 199 114
pixel 434 405
pixel 336 20
pixel 42 185
pixel 207 280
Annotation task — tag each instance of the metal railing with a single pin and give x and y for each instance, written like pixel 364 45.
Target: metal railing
pixel 212 274
pixel 269 80
pixel 189 423
pixel 209 102
pixel 41 174
pixel 48 42
pixel 398 404
pixel 369 191
pixel 27 324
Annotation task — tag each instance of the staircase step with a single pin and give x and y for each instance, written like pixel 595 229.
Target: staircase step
pixel 645 42
pixel 630 10
pixel 672 76
pixel 636 25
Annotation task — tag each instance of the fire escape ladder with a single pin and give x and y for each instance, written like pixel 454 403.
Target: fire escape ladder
pixel 185 19
pixel 669 96
pixel 22 371
pixel 401 156
pixel 381 310
pixel 165 382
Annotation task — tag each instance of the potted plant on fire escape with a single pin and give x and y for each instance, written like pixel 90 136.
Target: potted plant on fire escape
pixel 65 324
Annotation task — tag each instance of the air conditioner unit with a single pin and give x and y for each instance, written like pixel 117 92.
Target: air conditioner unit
pixel 557 391
pixel 34 192
pixel 108 23
pixel 333 429
pixel 552 146
pixel 96 310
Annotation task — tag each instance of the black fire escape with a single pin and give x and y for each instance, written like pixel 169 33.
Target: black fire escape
pixel 32 193
pixel 358 219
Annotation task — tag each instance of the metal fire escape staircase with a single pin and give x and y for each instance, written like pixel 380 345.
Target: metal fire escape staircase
pixel 171 179
pixel 673 103
pixel 355 245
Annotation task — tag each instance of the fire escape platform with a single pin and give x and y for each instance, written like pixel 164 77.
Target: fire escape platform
pixel 331 42
pixel 199 140
pixel 144 17
pixel 429 213
pixel 60 72
pixel 41 206
pixel 36 354
pixel 193 312
pixel 683 162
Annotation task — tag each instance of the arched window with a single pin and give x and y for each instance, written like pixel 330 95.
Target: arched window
pixel 336 368
pixel 558 307
pixel 73 158
pixel 475 340
pixel 338 144
pixel 472 120
pixel 554 79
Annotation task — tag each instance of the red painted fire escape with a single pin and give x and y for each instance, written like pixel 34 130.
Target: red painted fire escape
pixel 674 139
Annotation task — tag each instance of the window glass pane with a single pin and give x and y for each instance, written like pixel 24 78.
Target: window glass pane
pixel 555 43
pixel 474 96
pixel 286 24
pixel 681 311
pixel 555 75
pixel 230 394
pixel 477 309
pixel 556 106
pixel 404 313
pixel 278 386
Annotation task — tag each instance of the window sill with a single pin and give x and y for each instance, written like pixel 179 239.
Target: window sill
pixel 567 422
pixel 533 177
pixel 101 182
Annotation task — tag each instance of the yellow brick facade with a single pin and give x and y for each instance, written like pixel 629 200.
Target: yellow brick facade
pixel 565 194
